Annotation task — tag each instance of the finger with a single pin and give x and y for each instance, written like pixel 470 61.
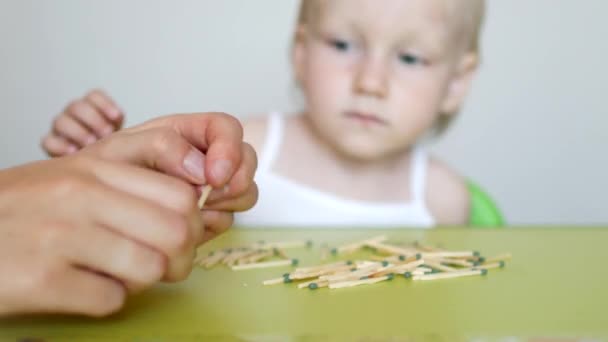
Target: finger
pixel 90 117
pixel 216 223
pixel 242 203
pixel 136 265
pixel 224 155
pixel 57 146
pixel 107 106
pixel 161 149
pixel 241 182
pixel 71 129
pixel 76 291
pixel 219 135
pixel 174 231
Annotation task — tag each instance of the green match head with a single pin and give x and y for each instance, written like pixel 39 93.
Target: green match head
pixel 476 253
pixel 385 263
pixel 501 264
pixel 407 275
pixel 482 260
pixel 484 272
pixel 418 256
pixel 334 251
pixel 390 276
pixel 313 286
pixel 402 258
pixel 295 262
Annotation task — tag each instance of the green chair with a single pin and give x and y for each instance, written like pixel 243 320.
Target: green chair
pixel 484 212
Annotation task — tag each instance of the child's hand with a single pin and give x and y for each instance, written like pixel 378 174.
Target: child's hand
pixel 83 122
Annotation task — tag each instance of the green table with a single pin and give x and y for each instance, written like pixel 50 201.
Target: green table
pixel 555 286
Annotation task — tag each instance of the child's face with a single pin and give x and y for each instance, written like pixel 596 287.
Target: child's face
pixel 377 74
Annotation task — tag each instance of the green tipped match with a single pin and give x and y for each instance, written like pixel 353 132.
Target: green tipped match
pixel 295 262
pixel 407 275
pixel 334 251
pixel 385 263
pixel 501 264
pixel 484 272
pixel 313 286
pixel 390 276
pixel 476 253
pixel 418 256
pixel 482 260
pixel 349 262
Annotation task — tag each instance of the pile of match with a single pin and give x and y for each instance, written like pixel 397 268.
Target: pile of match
pixel 257 255
pixel 415 262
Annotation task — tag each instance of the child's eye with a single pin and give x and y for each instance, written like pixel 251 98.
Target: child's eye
pixel 340 45
pixel 408 58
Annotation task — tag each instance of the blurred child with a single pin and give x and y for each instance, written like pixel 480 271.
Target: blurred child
pixel 377 76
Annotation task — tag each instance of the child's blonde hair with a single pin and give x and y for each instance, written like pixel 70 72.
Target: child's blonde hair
pixel 470 12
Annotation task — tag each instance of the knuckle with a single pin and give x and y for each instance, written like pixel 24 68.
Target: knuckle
pixel 146 265
pixel 163 140
pixel 186 198
pixel 181 235
pixel 75 106
pixel 108 299
pixel 53 235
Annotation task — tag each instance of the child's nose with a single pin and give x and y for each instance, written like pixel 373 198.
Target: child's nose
pixel 371 78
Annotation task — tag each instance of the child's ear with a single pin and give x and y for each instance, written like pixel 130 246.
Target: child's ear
pixel 298 55
pixel 460 83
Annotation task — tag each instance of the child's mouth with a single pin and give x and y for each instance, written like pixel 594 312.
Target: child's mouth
pixel 365 118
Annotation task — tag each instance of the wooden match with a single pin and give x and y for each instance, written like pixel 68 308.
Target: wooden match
pixel 267 264
pixel 204 194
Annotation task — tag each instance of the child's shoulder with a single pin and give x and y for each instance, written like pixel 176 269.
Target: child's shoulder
pixel 448 197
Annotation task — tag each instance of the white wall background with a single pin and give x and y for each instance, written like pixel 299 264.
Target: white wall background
pixel 532 131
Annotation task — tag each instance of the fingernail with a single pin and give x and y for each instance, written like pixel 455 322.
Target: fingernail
pixel 194 163
pixel 221 170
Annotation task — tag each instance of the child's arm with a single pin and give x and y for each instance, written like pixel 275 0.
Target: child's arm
pixel 447 196
pixel 82 122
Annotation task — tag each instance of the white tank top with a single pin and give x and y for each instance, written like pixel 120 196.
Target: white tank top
pixel 283 203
